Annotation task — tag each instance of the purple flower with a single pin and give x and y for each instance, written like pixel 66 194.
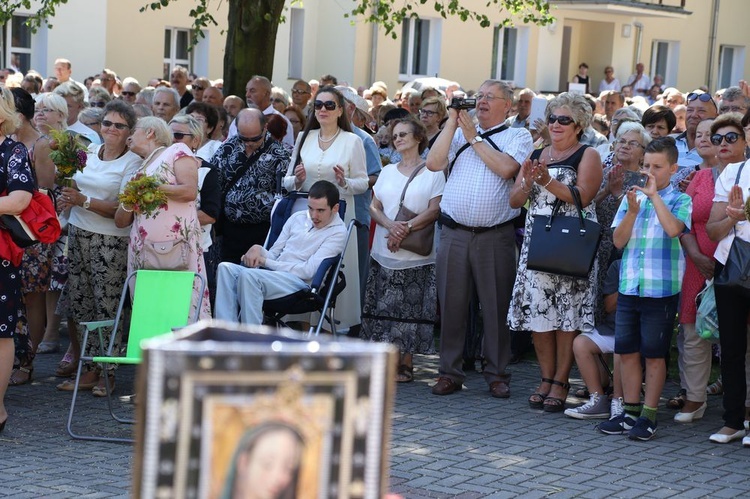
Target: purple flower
pixel 81 158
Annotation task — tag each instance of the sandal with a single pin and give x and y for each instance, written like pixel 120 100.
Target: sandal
pixel 715 388
pixel 555 404
pixel 405 374
pixel 100 390
pixel 678 401
pixel 536 400
pixel 14 376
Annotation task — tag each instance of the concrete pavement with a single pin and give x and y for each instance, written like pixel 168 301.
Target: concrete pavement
pixel 466 445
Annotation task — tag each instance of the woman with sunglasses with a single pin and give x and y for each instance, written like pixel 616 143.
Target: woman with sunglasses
pixel 727 220
pixel 189 131
pixel 97 248
pixel 555 307
pixel 328 150
pixel 401 295
pixel 208 117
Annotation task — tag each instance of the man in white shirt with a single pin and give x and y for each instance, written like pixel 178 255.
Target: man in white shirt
pixel 306 240
pixel 639 81
pixel 74 98
pixel 258 94
pixel 63 70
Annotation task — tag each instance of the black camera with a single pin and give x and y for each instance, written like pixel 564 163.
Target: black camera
pixel 461 103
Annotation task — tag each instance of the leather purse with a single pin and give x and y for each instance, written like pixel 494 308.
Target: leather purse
pixel 417 241
pixel 736 272
pixel 165 255
pixel 564 245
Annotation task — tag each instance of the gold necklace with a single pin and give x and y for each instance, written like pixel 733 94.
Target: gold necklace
pixel 563 154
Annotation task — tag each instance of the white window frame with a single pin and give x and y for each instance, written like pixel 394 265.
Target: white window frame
pixel 172 60
pixel 433 49
pixel 518 78
pixel 736 68
pixel 672 63
pixel 296 43
pixel 9 49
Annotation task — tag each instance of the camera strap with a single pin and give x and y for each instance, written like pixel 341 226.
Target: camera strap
pixel 486 137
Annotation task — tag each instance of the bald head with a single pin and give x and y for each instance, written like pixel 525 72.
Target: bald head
pixel 233 105
pixel 213 96
pixel 251 127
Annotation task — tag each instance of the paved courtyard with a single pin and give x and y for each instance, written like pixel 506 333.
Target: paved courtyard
pixel 464 445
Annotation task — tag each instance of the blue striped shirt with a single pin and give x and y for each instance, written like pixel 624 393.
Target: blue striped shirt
pixel 652 262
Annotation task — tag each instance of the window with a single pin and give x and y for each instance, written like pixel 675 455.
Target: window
pixel 731 65
pixel 176 42
pixel 420 48
pixel 665 56
pixel 296 43
pixel 16 43
pixel 508 48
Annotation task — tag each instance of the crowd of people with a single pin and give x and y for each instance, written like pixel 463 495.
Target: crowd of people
pixel 447 194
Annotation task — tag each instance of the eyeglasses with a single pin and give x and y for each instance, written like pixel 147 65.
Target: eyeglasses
pixel 45 110
pixel 279 101
pixel 730 137
pixel 732 109
pixel 427 113
pixel 629 143
pixel 97 104
pixel 704 97
pixel 119 126
pixel 489 97
pixel 181 135
pixel 257 138
pixel 200 89
pixel 400 135
pixel 299 92
pixel 563 120
pixel 329 105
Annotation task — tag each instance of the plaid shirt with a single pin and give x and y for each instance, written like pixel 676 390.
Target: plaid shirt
pixel 652 262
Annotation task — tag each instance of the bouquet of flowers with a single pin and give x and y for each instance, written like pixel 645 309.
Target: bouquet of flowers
pixel 143 195
pixel 68 154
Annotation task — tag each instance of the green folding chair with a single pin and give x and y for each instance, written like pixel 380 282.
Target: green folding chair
pixel 161 303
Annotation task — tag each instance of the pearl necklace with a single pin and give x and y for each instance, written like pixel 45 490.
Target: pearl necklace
pixel 150 156
pixel 325 141
pixel 563 154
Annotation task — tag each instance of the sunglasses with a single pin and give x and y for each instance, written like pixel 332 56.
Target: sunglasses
pixel 730 137
pixel 279 101
pixel 329 105
pixel 299 92
pixel 400 135
pixel 704 97
pixel 200 89
pixel 251 139
pixel 127 94
pixel 563 120
pixel 97 104
pixel 181 135
pixel 119 126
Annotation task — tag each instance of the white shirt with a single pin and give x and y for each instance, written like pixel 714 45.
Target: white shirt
pixel 724 184
pixel 614 85
pixel 207 150
pixel 301 248
pixel 642 86
pixel 474 195
pixel 103 180
pixel 426 186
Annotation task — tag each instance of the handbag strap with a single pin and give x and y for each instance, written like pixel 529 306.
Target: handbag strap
pixel 576 195
pixel 737 181
pixel 413 174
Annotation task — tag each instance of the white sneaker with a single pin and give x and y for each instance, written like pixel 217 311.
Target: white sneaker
pixel 595 408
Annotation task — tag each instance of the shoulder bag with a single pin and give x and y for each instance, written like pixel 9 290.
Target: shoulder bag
pixel 417 241
pixel 564 245
pixel 736 272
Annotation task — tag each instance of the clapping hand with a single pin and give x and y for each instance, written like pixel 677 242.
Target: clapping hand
pixel 540 174
pixel 615 179
pixel 338 170
pixel 300 174
pixel 736 207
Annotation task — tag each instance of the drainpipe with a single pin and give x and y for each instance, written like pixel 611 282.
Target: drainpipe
pixel 638 41
pixel 712 44
pixel 374 49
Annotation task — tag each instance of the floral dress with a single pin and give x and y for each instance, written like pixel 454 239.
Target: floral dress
pixel 544 302
pixel 178 221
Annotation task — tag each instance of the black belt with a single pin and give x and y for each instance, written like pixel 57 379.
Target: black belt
pixel 444 219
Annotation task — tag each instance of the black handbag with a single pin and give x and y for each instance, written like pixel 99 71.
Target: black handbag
pixel 736 272
pixel 563 245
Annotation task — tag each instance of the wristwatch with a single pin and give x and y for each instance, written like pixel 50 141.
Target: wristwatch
pixel 87 203
pixel 477 139
pixel 409 225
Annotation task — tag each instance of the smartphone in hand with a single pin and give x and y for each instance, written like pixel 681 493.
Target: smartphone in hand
pixel 632 179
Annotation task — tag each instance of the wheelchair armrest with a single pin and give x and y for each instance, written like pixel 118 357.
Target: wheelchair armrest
pixel 323 268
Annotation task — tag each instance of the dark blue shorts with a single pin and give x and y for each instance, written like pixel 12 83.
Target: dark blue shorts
pixel 645 325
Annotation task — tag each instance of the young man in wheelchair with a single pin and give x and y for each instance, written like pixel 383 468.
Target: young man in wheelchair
pixel 306 239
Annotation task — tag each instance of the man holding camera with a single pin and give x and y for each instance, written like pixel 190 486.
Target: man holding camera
pixel 477 241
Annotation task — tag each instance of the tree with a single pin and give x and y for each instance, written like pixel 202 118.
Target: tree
pixel 252 24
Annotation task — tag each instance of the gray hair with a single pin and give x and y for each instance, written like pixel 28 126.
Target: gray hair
pixel 162 133
pixel 70 89
pixel 195 128
pixel 142 110
pixel 735 93
pixel 632 126
pixel 92 113
pixel 504 87
pixel 122 108
pixel 171 91
pixel 99 93
pixel 578 106
pixel 56 103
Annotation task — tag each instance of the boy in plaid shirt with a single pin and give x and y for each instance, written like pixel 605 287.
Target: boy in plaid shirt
pixel 647 227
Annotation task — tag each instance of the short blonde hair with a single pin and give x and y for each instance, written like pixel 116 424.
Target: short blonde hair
pixel 162 133
pixel 56 103
pixel 11 122
pixel 193 125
